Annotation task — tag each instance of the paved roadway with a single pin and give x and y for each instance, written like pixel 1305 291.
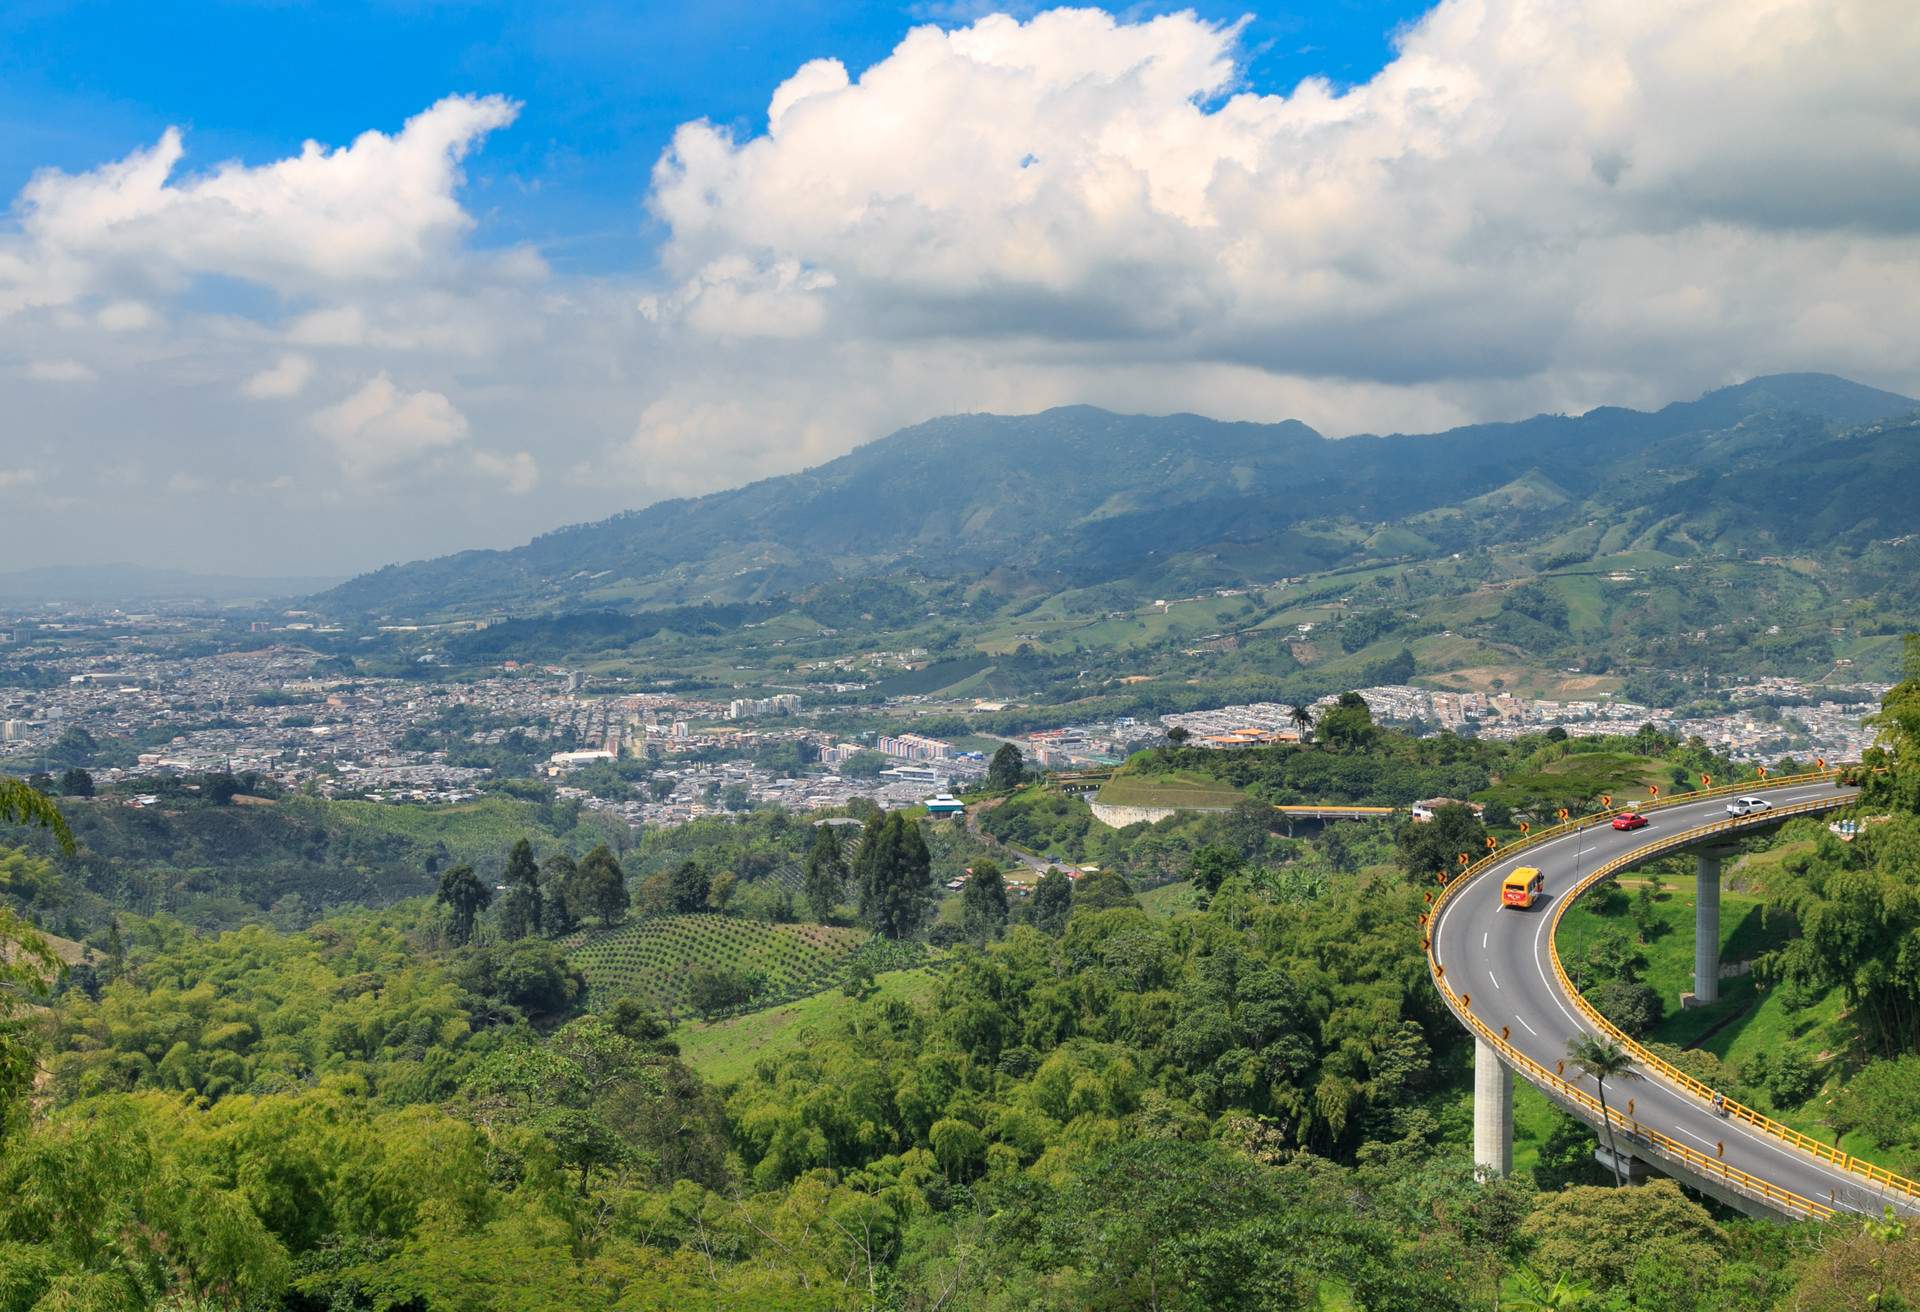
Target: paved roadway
pixel 1499 957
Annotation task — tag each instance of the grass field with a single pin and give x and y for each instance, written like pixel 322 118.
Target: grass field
pixel 726 1050
pixel 1168 900
pixel 1182 788
pixel 652 958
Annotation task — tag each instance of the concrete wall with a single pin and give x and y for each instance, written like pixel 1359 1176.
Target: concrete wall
pixel 1119 817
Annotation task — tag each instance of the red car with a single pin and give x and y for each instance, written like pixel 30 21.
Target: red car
pixel 1629 820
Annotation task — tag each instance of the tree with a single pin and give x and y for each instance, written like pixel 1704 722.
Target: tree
pixel 1178 735
pixel 1212 866
pixel 1052 903
pixel 465 898
pixel 21 804
pixel 1638 1242
pixel 1604 1060
pixel 720 892
pixel 1349 724
pixel 863 764
pixel 1302 716
pixel 1007 770
pixel 603 885
pixel 521 911
pixel 1103 889
pixel 687 888
pixel 560 909
pixel 28 968
pixel 1427 847
pixel 525 874
pixel 983 902
pixel 76 782
pixel 894 871
pixel 826 873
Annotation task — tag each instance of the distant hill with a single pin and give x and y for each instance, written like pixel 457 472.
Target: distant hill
pixel 132 584
pixel 1078 496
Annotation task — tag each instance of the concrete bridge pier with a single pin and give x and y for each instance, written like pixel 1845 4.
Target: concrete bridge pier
pixel 1706 927
pixel 1492 1112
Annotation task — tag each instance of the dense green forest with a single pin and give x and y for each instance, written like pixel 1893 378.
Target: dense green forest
pixel 1255 1101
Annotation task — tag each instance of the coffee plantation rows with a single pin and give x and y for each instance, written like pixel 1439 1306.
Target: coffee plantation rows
pixel 654 958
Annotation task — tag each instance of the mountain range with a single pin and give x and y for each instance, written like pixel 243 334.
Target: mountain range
pixel 1078 496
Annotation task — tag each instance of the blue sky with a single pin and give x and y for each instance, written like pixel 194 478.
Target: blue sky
pixel 603 85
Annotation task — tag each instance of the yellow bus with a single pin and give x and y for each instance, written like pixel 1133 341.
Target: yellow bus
pixel 1520 888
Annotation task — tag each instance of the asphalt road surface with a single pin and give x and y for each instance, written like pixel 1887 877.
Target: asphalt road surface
pixel 1499 956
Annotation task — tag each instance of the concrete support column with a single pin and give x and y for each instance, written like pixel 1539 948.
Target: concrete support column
pixel 1492 1112
pixel 1706 929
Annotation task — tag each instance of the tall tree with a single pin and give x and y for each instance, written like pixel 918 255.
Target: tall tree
pixel 603 885
pixel 688 887
pixel 76 782
pixel 521 911
pixel 983 902
pixel 560 896
pixel 1052 903
pixel 1604 1060
pixel 895 874
pixel 826 873
pixel 465 897
pixel 1007 770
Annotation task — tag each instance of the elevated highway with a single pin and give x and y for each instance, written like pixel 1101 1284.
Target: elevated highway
pixel 1499 972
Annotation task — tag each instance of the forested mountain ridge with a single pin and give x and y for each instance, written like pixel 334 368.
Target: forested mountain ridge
pixel 1079 495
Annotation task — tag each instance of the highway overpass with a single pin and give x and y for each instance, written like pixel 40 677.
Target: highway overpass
pixel 1499 972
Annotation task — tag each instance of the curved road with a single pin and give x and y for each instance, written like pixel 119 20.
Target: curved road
pixel 1499 957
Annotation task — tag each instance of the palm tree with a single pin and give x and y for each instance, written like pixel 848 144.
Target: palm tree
pixel 21 805
pixel 1302 718
pixel 1604 1060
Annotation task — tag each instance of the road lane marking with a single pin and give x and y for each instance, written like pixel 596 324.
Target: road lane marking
pixel 1495 978
pixel 1483 941
pixel 1523 1021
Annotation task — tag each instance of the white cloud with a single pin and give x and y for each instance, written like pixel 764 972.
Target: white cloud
pixel 1520 168
pixel 59 371
pixel 518 472
pixel 15 478
pixel 287 376
pixel 381 427
pixel 126 316
pixel 379 208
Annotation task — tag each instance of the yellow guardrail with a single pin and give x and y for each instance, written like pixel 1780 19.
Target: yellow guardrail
pixel 1539 1075
pixel 1626 1126
pixel 1738 1111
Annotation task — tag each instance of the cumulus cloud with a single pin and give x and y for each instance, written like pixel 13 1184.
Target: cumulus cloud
pixel 382 427
pixel 377 208
pixel 287 376
pixel 1527 189
pixel 1533 206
